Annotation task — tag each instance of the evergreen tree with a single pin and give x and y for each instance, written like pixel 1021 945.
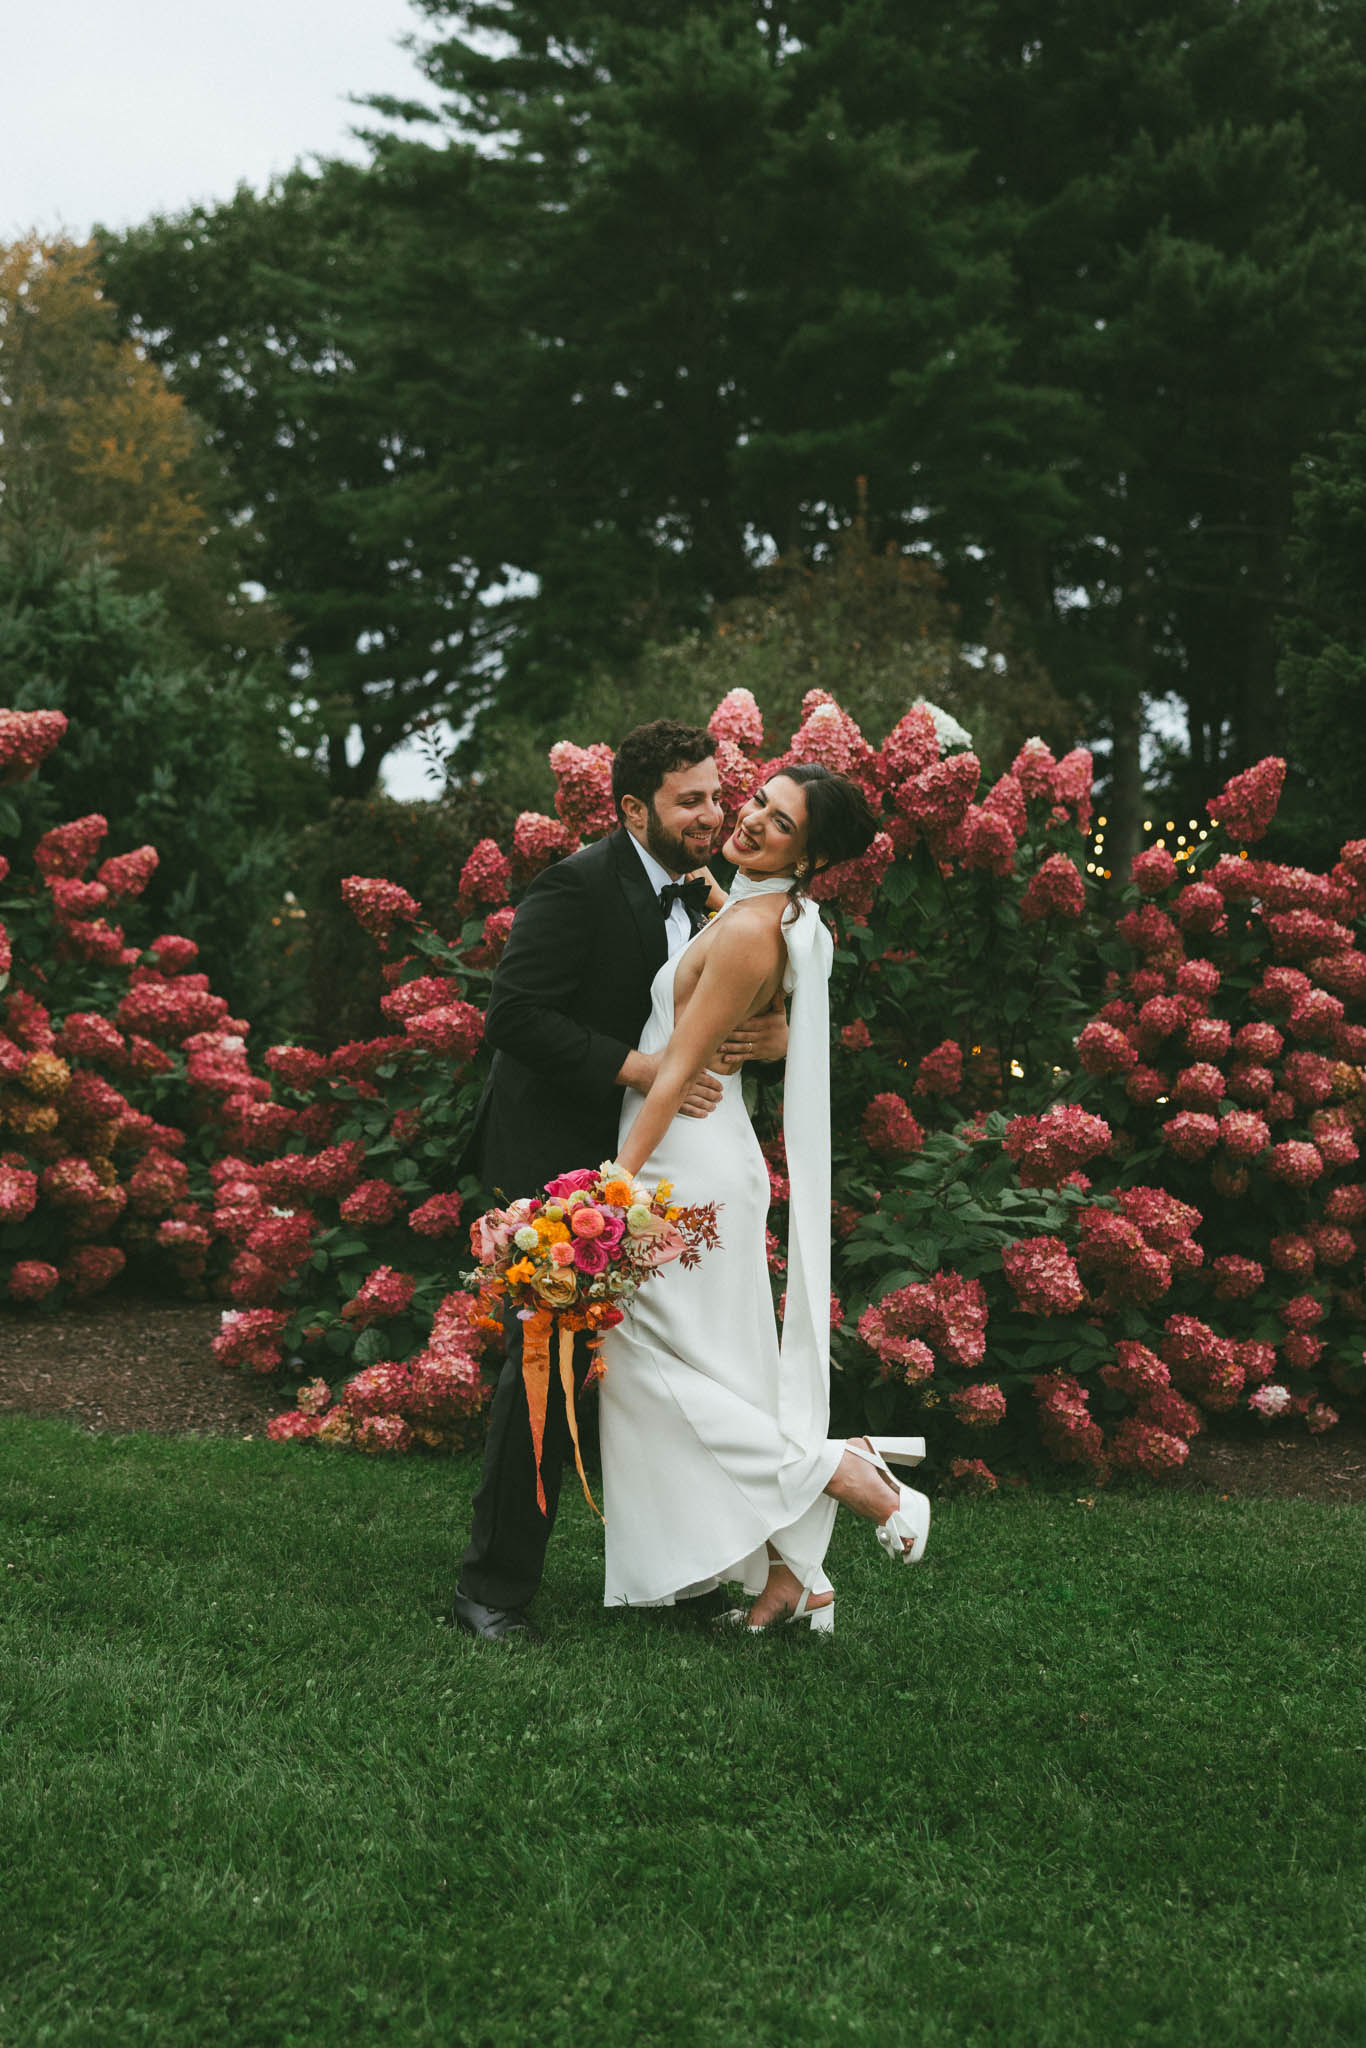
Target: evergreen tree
pixel 1181 197
pixel 1075 289
pixel 313 330
pixel 1323 664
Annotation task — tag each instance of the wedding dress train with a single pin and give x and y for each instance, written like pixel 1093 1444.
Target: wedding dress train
pixel 715 1436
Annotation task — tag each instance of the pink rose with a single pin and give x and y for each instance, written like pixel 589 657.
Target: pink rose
pixel 591 1255
pixel 570 1183
pixel 587 1221
pixel 561 1254
pixel 613 1228
pixel 489 1235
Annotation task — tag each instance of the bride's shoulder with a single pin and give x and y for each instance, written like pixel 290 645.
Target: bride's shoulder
pixel 744 926
pixel 755 912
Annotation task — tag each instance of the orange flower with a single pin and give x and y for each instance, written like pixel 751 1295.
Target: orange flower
pixel 522 1270
pixel 618 1193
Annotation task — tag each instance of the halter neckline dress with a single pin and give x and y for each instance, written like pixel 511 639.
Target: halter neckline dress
pixel 715 1433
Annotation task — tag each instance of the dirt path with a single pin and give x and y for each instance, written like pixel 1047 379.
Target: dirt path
pixel 129 1365
pixel 146 1365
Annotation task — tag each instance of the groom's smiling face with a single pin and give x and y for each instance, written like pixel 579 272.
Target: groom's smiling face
pixel 681 822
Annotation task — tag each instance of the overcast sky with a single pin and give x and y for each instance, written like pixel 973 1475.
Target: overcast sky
pixel 116 112
pixel 113 113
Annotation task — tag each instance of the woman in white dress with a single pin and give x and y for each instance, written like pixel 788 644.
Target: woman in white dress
pixel 716 1454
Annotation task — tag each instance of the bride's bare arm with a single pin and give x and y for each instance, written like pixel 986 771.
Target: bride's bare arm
pixel 716 895
pixel 738 969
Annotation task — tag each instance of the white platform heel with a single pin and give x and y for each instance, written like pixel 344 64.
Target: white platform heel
pixel 820 1620
pixel 899 1450
pixel 906 1530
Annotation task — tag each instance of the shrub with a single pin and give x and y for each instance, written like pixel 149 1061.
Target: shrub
pixel 323 975
pixel 1095 1173
pixel 116 1060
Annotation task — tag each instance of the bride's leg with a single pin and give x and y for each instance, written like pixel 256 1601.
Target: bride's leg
pixel 781 1594
pixel 863 1483
pixel 862 1488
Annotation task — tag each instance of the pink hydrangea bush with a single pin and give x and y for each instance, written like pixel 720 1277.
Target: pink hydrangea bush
pixel 340 1204
pixel 1181 1241
pixel 1090 1226
pixel 117 1061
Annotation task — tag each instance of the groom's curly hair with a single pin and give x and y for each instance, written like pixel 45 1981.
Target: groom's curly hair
pixel 650 752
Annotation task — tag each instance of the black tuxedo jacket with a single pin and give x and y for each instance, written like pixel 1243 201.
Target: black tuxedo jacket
pixel 569 1000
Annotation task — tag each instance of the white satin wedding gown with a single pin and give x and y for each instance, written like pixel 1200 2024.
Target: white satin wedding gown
pixel 715 1436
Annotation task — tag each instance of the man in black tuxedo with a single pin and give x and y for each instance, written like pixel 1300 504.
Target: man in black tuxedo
pixel 569 1000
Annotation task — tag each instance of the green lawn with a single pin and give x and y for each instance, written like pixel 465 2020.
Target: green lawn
pixel 1093 1774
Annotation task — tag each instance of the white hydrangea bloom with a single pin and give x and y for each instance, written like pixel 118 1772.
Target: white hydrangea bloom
pixel 948 731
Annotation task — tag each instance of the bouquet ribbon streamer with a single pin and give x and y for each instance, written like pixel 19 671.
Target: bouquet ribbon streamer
pixel 537 1333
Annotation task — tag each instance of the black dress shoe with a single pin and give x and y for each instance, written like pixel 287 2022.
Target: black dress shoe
pixel 492 1624
pixel 704 1607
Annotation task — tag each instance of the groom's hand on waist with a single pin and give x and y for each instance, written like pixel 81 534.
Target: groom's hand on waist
pixel 701 1096
pixel 703 1092
pixel 761 1038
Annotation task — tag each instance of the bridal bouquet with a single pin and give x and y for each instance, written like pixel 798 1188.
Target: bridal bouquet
pixel 574 1259
pixel 584 1248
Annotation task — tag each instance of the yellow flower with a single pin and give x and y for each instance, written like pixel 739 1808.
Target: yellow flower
pixel 552 1233
pixel 664 1190
pixel 672 1215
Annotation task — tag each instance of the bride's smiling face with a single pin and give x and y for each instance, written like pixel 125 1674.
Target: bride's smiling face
pixel 770 832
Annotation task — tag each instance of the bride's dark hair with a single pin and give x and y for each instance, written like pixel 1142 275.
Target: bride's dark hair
pixel 840 823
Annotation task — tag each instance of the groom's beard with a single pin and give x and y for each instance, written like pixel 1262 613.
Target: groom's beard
pixel 671 853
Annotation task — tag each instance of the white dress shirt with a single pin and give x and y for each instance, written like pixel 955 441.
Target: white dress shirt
pixel 677 930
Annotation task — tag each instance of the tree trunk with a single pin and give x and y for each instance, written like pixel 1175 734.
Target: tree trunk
pixel 1259 725
pixel 1124 817
pixel 1124 831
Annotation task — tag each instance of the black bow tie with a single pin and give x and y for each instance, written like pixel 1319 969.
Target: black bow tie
pixel 692 895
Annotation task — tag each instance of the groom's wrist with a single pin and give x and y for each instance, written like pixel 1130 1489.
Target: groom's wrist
pixel 638 1071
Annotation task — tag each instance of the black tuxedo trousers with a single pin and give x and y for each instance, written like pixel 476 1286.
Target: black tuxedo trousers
pixel 570 999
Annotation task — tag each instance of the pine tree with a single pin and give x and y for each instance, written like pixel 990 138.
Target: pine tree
pixel 1323 666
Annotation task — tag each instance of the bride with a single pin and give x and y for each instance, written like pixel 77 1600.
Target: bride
pixel 716 1457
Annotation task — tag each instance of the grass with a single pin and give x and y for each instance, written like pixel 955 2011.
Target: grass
pixel 1091 1775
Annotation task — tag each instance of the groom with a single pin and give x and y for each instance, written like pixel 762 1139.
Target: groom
pixel 570 998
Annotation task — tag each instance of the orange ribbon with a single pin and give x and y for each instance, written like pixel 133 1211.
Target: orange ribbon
pixel 536 1332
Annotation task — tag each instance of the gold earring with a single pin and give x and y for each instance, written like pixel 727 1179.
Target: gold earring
pixel 802 870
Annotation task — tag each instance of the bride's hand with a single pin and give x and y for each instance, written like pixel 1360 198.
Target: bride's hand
pixel 716 895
